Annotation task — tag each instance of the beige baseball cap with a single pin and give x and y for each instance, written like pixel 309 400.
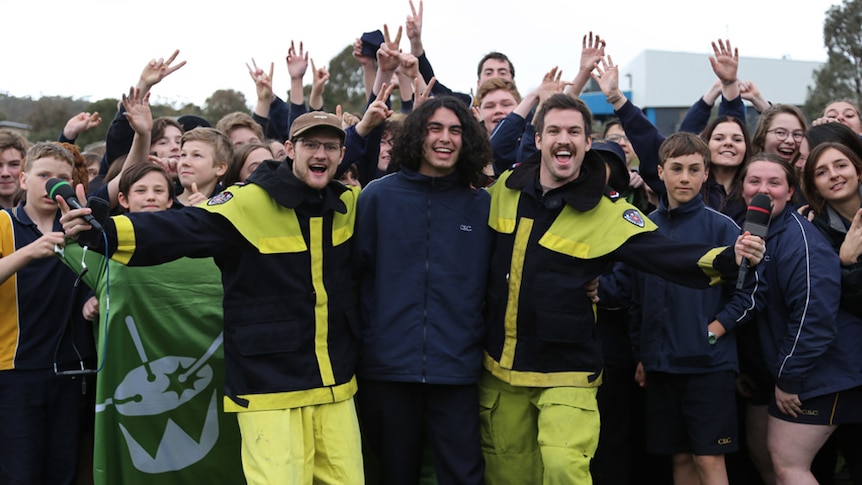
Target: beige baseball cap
pixel 316 119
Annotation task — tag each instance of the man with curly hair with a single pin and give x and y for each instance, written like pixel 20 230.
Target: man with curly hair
pixel 424 246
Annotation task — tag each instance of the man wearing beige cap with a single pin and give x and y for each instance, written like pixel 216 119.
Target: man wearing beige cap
pixel 283 242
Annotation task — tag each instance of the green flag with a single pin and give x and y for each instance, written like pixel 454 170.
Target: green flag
pixel 159 394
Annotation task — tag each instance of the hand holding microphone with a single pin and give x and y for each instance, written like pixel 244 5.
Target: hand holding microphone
pixel 756 223
pixel 64 189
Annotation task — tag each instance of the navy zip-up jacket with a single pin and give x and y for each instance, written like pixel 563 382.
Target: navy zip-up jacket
pixel 669 321
pixel 424 249
pixel 808 350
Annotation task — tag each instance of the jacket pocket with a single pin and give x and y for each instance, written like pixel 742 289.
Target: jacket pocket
pixel 271 337
pixel 565 327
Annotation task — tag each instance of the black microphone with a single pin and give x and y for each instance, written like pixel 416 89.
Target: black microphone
pixel 757 223
pixel 64 189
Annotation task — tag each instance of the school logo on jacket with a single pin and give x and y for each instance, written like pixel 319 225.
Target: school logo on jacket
pixel 220 198
pixel 634 217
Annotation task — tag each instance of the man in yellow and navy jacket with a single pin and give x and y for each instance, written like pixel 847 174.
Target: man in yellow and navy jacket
pixel 283 242
pixel 556 229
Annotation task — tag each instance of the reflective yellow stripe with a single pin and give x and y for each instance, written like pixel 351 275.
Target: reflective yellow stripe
pixel 125 240
pixel 342 224
pixel 516 275
pixel 251 210
pixel 286 244
pixel 540 379
pixel 321 305
pixel 504 206
pixel 705 263
pixel 9 325
pixel 589 235
pixel 292 399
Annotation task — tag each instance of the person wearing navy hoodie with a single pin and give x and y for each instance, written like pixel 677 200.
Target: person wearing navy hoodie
pixel 423 254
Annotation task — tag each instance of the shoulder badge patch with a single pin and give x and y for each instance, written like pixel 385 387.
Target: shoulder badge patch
pixel 220 198
pixel 634 217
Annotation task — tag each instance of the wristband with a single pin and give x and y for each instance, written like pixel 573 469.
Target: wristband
pixel 614 98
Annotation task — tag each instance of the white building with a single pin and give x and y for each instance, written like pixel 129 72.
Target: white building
pixel 665 84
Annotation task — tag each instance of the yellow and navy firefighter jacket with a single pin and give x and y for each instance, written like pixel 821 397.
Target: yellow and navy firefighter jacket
pixel 541 323
pixel 284 249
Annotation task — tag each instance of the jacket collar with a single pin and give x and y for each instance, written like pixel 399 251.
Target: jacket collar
pixel 689 207
pixel 21 215
pixel 277 179
pixel 444 182
pixel 778 222
pixel 835 221
pixel 582 194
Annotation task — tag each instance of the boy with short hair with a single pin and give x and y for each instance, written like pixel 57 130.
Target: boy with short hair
pixel 205 155
pixel 240 128
pixel 39 338
pixel 13 147
pixel 681 335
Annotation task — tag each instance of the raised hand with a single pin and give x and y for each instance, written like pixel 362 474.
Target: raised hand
pixel 318 83
pixel 361 58
pixel 376 113
pixel 80 123
pixel 551 84
pixel 349 119
pixel 320 77
pixel 262 81
pixel 297 61
pixel 422 95
pixel 414 28
pixel 393 44
pixel 137 111
pixel 592 51
pixel 725 61
pixel 389 55
pixel 607 76
pixel 749 92
pixel 409 66
pixel 158 69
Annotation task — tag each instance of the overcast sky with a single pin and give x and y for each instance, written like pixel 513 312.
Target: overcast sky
pixel 95 49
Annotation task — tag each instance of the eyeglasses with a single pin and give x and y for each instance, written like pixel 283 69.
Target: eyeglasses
pixel 782 134
pixel 313 145
pixel 617 138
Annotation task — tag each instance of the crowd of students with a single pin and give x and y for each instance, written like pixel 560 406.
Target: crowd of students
pixel 487 276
